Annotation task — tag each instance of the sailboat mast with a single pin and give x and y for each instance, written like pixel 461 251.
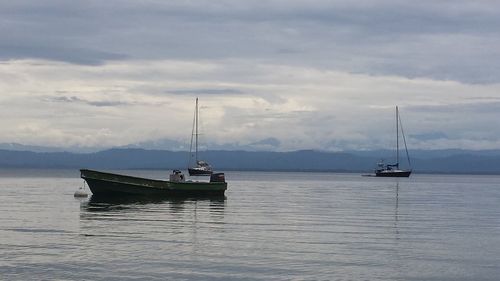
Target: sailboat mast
pixel 196 134
pixel 397 137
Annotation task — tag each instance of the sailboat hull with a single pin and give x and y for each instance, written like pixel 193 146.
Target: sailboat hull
pixel 393 174
pixel 199 172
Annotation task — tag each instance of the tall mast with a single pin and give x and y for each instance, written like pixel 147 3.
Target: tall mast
pixel 397 137
pixel 196 134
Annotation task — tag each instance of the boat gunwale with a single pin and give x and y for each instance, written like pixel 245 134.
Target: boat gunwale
pixel 120 175
pixel 164 183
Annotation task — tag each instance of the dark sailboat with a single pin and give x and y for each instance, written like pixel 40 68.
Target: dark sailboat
pixel 393 170
pixel 200 167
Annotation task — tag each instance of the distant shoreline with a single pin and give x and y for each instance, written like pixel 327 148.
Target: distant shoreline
pixel 64 171
pixel 362 162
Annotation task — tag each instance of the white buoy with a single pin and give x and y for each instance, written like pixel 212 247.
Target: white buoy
pixel 81 192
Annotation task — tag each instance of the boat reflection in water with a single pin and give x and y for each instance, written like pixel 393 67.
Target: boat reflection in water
pixel 98 202
pixel 171 224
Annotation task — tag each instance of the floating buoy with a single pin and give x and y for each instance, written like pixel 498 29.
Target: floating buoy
pixel 81 192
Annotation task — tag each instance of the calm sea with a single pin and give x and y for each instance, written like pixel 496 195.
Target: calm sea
pixel 271 226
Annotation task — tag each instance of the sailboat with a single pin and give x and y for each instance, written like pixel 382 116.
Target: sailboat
pixel 200 167
pixel 393 170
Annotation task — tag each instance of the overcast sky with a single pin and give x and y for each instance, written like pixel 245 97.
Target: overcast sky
pixel 282 74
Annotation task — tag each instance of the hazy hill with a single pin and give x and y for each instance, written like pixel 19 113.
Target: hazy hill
pixel 306 160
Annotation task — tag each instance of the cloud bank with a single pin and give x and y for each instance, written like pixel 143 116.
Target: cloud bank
pixel 305 74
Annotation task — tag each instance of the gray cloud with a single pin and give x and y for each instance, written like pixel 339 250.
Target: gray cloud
pixel 311 74
pixel 222 91
pixel 464 108
pixel 434 39
pixel 71 55
pixel 429 136
pixel 308 108
pixel 271 142
pixel 75 99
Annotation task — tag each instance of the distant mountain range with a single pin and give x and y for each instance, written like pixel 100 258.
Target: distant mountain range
pixel 38 148
pixel 423 161
pixel 268 144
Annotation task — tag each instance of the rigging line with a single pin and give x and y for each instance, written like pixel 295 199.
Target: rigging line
pixel 397 137
pixel 404 139
pixel 191 144
pixel 196 144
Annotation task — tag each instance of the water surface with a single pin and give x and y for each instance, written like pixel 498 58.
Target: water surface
pixel 270 226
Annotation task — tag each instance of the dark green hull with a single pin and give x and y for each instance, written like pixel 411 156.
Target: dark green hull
pixel 109 184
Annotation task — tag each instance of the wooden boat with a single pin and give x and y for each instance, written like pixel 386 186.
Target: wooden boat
pixel 393 170
pixel 110 184
pixel 200 168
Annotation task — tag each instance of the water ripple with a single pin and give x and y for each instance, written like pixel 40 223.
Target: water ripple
pixel 270 226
